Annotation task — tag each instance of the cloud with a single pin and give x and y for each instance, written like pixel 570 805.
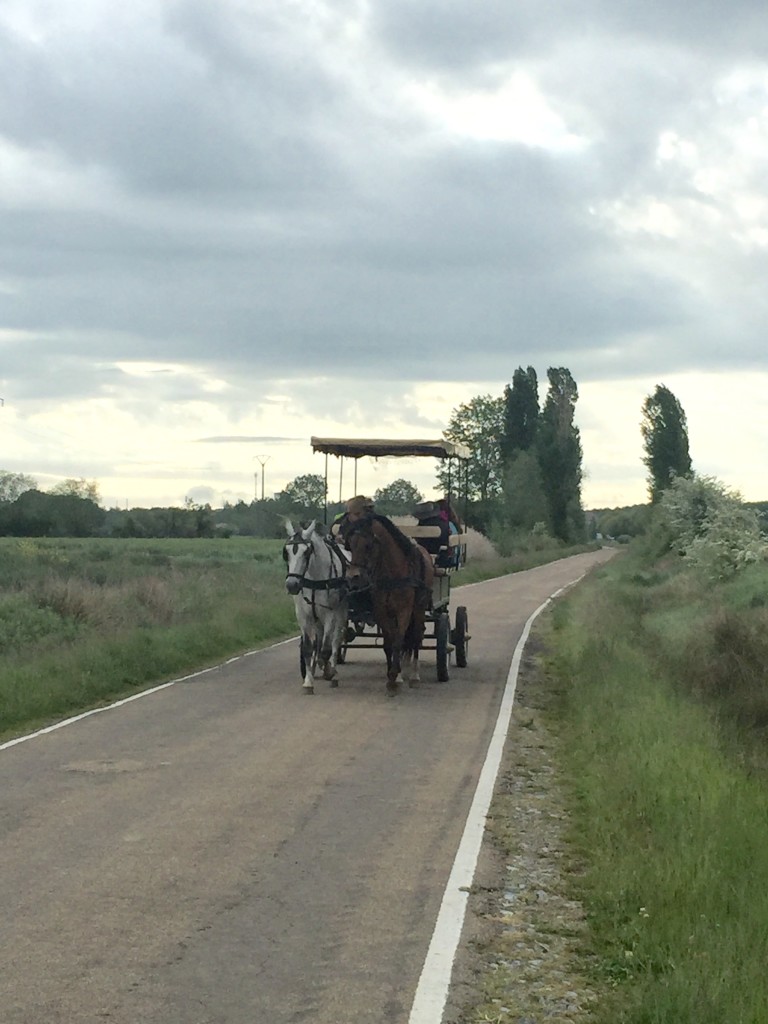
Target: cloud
pixel 236 221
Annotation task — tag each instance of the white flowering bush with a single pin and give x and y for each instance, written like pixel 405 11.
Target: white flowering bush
pixel 710 526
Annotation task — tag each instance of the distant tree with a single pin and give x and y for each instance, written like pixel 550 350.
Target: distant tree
pixel 560 456
pixel 119 524
pixel 35 514
pixel 665 436
pixel 80 488
pixel 201 518
pixel 630 521
pixel 479 425
pixel 397 498
pixel 304 496
pixel 521 413
pixel 525 502
pixel 14 484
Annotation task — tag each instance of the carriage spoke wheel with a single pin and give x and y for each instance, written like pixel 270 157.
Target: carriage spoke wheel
pixel 460 637
pixel 442 640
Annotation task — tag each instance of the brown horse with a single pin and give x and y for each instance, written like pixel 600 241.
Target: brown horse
pixel 399 574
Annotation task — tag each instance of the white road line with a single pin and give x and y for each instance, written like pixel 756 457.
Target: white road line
pixel 434 982
pixel 136 696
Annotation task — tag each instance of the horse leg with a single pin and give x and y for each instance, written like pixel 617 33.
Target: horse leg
pixel 393 656
pixel 394 672
pixel 335 630
pixel 309 653
pixel 328 657
pixel 410 647
pixel 411 668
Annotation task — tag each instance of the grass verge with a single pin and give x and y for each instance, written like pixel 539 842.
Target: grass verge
pixel 631 816
pixel 669 817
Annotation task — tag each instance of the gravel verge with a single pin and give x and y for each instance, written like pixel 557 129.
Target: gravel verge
pixel 524 956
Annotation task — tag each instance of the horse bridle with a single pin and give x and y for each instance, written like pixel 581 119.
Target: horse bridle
pixel 334 583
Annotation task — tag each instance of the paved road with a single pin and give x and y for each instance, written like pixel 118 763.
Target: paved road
pixel 230 851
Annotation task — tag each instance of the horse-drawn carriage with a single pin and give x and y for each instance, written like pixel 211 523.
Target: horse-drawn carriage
pixel 448 552
pixel 403 604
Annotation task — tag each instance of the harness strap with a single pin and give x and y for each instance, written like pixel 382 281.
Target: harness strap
pixel 334 584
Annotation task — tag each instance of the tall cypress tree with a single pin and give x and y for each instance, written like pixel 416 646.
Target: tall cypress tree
pixel 560 456
pixel 521 413
pixel 665 435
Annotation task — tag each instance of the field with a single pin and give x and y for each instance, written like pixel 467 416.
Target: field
pixel 86 621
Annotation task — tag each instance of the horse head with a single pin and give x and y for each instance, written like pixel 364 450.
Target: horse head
pixel 297 553
pixel 361 542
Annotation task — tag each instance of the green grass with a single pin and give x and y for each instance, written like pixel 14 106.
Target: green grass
pixel 85 621
pixel 670 811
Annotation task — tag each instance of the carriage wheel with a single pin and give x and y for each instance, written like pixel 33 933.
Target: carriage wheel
pixel 442 638
pixel 460 637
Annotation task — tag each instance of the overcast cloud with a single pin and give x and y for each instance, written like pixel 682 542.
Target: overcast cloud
pixel 252 222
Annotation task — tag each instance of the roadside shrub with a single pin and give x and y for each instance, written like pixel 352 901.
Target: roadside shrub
pixel 730 665
pixel 70 598
pixel 24 623
pixel 710 526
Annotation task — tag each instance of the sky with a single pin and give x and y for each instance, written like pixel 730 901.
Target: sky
pixel 228 226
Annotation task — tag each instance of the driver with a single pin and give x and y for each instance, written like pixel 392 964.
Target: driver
pixel 359 507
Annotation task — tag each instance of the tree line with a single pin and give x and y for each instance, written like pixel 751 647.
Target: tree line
pixel 73 509
pixel 523 478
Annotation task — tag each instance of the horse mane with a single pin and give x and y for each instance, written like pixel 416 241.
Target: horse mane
pixel 404 543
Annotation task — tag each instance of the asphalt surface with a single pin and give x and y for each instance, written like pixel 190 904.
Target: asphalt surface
pixel 229 850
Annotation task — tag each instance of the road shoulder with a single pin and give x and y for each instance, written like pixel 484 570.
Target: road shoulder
pixel 522 958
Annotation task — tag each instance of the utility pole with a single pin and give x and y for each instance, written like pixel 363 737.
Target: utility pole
pixel 262 460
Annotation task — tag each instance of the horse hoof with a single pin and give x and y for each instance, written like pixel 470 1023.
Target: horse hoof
pixel 308 689
pixel 334 683
pixel 414 684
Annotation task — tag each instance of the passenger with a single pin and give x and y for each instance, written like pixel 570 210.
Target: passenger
pixel 452 558
pixel 428 514
pixel 444 504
